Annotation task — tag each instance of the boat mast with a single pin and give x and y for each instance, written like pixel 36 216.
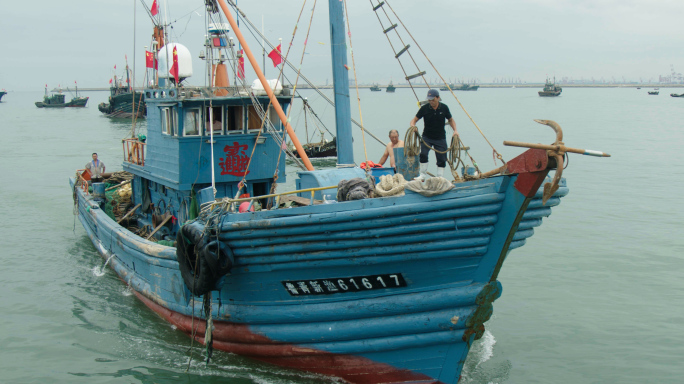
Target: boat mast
pixel 345 152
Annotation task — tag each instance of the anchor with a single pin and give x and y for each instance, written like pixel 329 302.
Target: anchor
pixel 557 151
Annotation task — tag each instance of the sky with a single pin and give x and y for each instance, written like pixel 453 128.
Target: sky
pixel 57 43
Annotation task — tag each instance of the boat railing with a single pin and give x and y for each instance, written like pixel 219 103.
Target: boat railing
pixel 134 151
pixel 209 92
pixel 81 181
pixel 228 202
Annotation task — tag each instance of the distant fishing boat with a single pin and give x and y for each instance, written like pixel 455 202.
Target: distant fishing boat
pixel 676 95
pixel 369 289
pixel 375 88
pixel 390 88
pixel 654 92
pixel 123 100
pixel 58 100
pixel 322 148
pixel 462 87
pixel 465 87
pixel 550 88
pixel 2 93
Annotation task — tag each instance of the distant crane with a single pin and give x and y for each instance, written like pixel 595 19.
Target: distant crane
pixel 676 77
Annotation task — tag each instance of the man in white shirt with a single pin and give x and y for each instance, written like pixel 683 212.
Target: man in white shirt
pixel 96 168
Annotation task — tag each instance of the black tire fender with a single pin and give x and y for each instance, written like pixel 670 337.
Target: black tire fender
pixel 196 273
pixel 219 257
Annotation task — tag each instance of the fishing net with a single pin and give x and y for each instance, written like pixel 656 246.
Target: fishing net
pixel 355 189
pixel 431 187
pixel 118 201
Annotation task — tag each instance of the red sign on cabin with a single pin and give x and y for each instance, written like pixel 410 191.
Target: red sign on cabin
pixel 236 160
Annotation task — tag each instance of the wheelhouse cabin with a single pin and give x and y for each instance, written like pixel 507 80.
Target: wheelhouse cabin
pixel 174 162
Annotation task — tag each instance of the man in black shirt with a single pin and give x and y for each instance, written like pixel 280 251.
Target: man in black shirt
pixel 435 114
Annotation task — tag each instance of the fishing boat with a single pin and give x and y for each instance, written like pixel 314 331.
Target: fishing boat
pixel 654 92
pixel 390 88
pixel 370 290
pixel 319 149
pixel 123 101
pixel 676 95
pixel 465 87
pixel 375 88
pixel 2 93
pixel 58 100
pixel 550 88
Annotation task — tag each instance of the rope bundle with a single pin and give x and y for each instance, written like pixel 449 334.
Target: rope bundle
pixel 412 144
pixel 391 185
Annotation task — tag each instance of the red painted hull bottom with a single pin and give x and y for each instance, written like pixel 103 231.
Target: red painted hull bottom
pixel 238 339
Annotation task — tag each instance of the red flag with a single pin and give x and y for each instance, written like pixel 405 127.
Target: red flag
pixel 275 56
pixel 241 65
pixel 114 66
pixel 150 62
pixel 155 9
pixel 110 81
pixel 174 68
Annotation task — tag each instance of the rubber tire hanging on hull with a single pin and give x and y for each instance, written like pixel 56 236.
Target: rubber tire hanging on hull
pixel 201 262
pixel 194 269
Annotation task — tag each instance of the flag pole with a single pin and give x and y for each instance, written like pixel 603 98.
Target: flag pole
pixel 133 114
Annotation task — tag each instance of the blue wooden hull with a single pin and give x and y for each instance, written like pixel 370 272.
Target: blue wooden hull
pixel 412 279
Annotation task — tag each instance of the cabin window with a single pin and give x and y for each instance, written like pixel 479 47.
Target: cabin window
pixel 192 125
pixel 274 118
pixel 168 120
pixel 217 116
pixel 253 119
pixel 234 119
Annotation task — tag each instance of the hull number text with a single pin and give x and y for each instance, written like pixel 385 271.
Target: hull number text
pixel 343 284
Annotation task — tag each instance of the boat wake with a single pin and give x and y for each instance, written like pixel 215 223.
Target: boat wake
pixel 98 271
pixel 486 348
pixel 127 291
pixel 480 367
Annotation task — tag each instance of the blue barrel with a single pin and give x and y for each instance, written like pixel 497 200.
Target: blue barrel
pixel 99 190
pixel 377 172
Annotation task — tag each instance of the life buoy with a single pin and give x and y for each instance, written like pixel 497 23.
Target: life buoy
pixel 135 153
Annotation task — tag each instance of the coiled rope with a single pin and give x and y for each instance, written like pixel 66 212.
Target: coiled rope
pixel 412 144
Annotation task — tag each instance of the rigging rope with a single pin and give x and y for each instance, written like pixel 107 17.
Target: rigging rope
pixel 496 153
pixel 356 85
pixel 282 68
pixel 253 29
pixel 396 55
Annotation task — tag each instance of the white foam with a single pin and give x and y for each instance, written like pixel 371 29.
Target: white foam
pixel 486 347
pixel 98 271
pixel 127 291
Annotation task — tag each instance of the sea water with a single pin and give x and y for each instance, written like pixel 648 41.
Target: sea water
pixel 595 296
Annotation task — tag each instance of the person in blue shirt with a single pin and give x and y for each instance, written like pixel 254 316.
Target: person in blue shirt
pixel 435 115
